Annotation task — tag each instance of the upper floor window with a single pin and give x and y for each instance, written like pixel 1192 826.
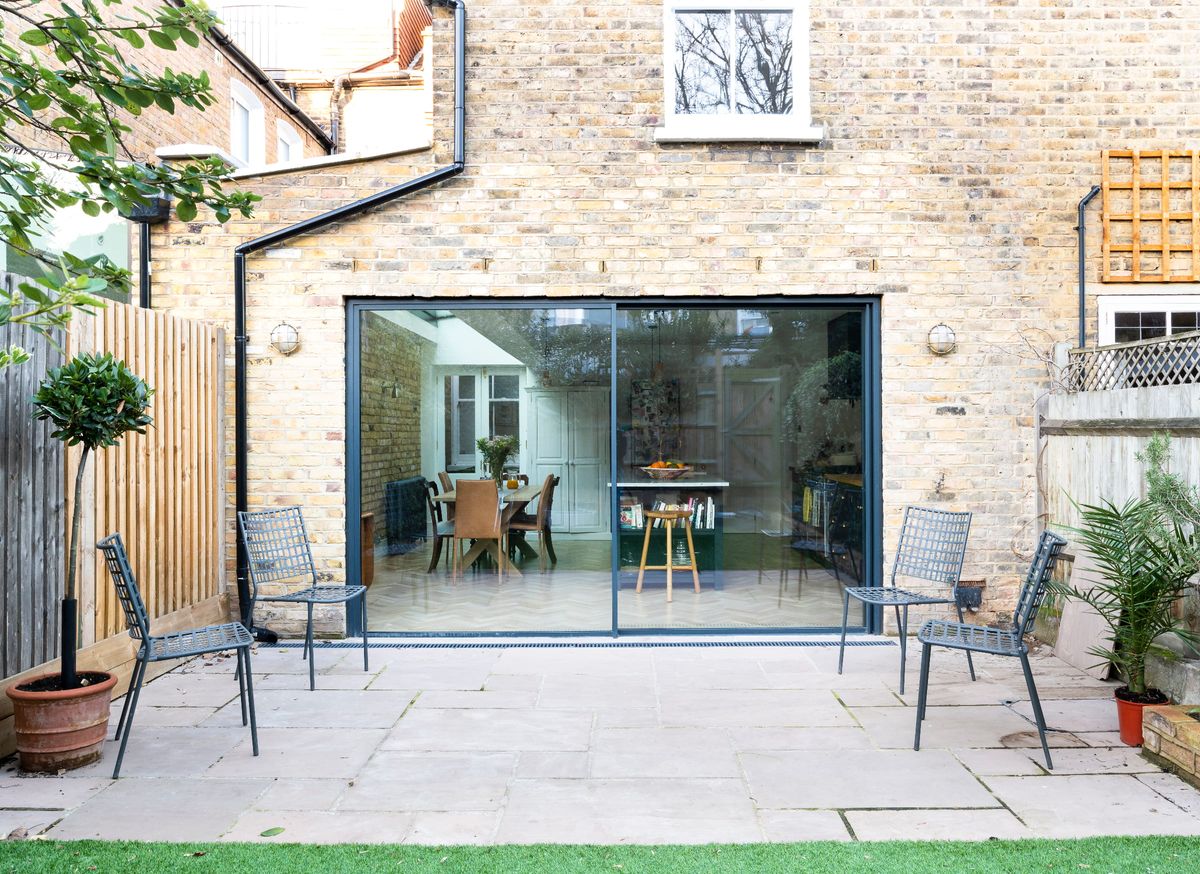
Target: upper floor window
pixel 288 145
pixel 245 125
pixel 736 72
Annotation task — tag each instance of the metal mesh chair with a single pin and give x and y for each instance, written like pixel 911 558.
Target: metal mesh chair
pixel 932 546
pixel 176 645
pixel 997 641
pixel 277 546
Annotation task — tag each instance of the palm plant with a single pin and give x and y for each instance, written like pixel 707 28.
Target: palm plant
pixel 1146 562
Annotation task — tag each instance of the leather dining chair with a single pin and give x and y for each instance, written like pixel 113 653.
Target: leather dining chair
pixel 478 517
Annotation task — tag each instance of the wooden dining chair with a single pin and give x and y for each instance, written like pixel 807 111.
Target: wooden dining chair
pixel 540 522
pixel 442 530
pixel 478 517
pixel 447 486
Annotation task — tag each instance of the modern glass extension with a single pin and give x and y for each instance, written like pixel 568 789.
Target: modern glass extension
pixel 745 436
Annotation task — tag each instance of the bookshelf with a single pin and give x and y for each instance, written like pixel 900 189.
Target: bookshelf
pixel 703 495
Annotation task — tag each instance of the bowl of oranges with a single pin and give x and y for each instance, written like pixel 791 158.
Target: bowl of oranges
pixel 666 469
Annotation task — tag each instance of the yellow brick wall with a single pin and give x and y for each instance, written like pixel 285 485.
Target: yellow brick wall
pixel 960 135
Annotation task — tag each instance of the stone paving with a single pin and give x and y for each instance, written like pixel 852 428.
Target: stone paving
pixel 661 744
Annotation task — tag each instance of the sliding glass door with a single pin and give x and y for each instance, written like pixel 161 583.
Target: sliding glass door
pixel 744 434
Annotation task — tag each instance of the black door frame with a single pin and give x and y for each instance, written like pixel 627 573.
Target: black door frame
pixel 871 424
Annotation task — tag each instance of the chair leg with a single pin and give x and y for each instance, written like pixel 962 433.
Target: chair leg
pixel 550 546
pixel 250 697
pixel 687 529
pixel 437 554
pixel 308 638
pixel 541 551
pixel 1037 709
pixel 135 694
pixel 902 626
pixel 845 617
pixel 922 694
pixel 363 606
pixel 970 661
pixel 645 551
pixel 241 675
pixel 138 668
pixel 668 524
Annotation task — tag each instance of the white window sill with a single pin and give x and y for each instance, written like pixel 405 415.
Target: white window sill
pixel 727 129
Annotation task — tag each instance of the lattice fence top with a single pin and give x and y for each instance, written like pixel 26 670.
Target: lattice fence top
pixel 1151 215
pixel 1173 360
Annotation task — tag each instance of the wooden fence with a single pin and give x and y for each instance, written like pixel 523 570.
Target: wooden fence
pixel 31 512
pixel 163 491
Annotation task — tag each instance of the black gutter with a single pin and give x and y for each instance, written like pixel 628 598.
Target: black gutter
pixel 309 225
pixel 1081 231
pixel 144 266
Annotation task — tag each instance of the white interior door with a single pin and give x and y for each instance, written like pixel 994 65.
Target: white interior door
pixel 587 466
pixel 549 447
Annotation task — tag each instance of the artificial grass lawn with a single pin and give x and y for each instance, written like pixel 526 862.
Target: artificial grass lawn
pixel 1143 854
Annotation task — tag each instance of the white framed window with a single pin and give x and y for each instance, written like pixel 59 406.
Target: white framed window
pixel 246 123
pixel 1126 318
pixel 288 145
pixel 736 71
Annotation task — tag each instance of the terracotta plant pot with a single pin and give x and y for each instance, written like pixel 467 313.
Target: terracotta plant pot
pixel 1129 718
pixel 61 730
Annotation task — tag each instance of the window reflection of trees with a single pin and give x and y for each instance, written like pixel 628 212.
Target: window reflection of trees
pixel 760 67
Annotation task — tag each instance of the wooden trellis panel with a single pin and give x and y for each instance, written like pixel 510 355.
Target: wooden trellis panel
pixel 1151 215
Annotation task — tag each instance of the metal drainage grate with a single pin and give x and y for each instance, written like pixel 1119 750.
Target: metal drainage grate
pixel 583 644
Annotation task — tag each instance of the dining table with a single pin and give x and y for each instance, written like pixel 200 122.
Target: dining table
pixel 512 502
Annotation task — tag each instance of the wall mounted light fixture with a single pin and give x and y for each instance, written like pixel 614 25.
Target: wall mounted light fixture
pixel 942 340
pixel 285 338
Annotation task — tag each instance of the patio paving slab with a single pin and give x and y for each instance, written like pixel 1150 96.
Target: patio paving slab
pixel 681 753
pixel 936 825
pixel 891 778
pixel 169 752
pixel 1093 804
pixel 760 707
pixel 1086 714
pixel 46 792
pixel 331 708
pixel 1173 789
pixel 321 827
pixel 301 752
pixel 802 825
pixel 153 809
pixel 302 794
pixel 1001 763
pixel 944 727
pixel 1101 760
pixel 431 781
pixel 500 730
pixel 628 811
pixel 26 823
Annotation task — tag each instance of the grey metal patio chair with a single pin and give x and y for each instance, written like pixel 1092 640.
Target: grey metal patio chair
pixel 997 641
pixel 277 546
pixel 176 645
pixel 932 546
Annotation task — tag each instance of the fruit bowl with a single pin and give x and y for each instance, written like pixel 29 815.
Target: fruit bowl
pixel 667 472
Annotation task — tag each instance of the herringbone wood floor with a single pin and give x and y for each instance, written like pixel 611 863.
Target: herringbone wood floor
pixel 576 595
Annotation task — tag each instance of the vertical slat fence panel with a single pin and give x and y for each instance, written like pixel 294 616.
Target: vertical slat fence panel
pixel 158 489
pixel 32 512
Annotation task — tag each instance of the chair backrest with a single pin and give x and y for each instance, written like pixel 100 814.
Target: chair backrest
pixel 132 604
pixel 477 512
pixel 447 486
pixel 933 544
pixel 546 500
pixel 277 546
pixel 435 507
pixel 1050 545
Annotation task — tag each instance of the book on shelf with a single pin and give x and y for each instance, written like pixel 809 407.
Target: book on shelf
pixel 701 512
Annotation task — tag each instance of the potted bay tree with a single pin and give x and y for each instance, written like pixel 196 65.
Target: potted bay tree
pixel 61 719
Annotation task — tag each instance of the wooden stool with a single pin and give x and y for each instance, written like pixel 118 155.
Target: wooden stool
pixel 669 518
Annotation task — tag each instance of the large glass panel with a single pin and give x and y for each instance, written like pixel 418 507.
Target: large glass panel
pixel 702 62
pixel 433 383
pixel 748 424
pixel 764 63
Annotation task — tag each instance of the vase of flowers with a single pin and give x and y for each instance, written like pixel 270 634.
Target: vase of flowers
pixel 496 452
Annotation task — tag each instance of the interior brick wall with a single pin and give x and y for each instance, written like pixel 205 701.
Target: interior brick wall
pixel 391 412
pixel 960 136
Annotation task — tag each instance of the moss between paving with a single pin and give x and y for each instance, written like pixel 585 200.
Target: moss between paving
pixel 1143 854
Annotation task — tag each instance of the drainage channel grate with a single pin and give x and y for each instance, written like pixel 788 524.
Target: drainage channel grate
pixel 582 644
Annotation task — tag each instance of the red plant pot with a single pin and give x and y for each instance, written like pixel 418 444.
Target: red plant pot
pixel 1129 714
pixel 61 730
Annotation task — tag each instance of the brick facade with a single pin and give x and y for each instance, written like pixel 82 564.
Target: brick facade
pixel 960 136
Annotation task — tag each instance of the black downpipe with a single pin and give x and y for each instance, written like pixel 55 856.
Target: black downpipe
pixel 341 213
pixel 144 266
pixel 1081 230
